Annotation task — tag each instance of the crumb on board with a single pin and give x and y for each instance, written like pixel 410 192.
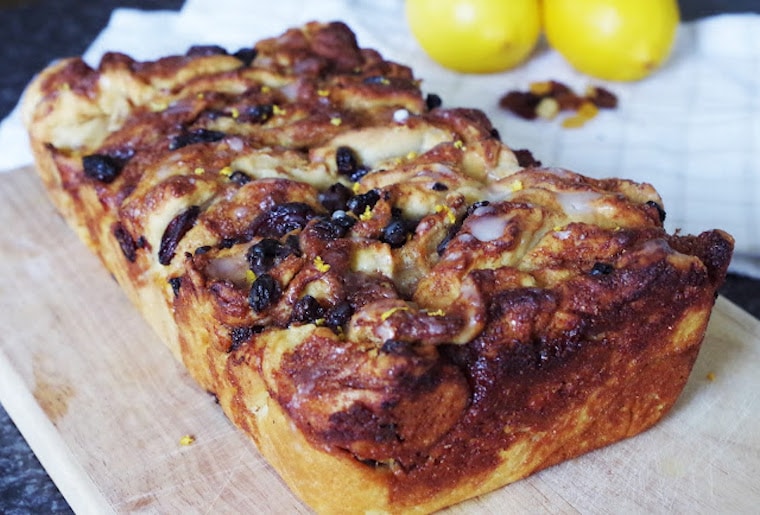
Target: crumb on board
pixel 186 440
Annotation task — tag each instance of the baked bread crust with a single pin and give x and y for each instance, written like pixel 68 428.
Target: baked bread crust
pixel 374 287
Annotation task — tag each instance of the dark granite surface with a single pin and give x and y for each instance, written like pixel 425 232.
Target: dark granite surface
pixel 37 31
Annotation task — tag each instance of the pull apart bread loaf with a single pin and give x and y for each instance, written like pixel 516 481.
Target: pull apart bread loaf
pixel 400 310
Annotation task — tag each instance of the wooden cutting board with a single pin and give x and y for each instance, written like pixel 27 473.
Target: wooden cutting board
pixel 104 405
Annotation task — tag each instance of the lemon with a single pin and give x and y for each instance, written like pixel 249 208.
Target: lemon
pixel 621 40
pixel 475 36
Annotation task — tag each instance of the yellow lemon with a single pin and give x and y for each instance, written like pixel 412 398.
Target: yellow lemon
pixel 622 40
pixel 475 36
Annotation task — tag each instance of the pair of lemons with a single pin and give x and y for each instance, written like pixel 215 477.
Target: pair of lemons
pixel 620 40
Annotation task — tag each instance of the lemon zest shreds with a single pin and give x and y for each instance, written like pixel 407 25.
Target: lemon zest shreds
pixel 199 171
pixel 437 313
pixel 278 111
pixel 320 265
pixel 250 276
pixel 235 113
pixel 452 218
pixel 516 185
pixel 386 315
pixel 336 121
pixel 265 89
pixel 186 440
pixel 460 145
pixel 366 215
pixel 323 92
pixel 355 188
pixel 226 171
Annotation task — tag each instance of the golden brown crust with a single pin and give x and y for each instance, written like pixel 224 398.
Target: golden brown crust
pixel 374 288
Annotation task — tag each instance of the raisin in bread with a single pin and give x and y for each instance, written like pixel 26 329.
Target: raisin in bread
pixel 400 310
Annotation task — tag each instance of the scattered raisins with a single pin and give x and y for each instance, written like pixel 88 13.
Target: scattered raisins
pixel 455 228
pixel 240 335
pixel 359 173
pixel 329 229
pixel 228 243
pixel 521 103
pixel 215 114
pixel 525 159
pixel 568 101
pixel 433 101
pixel 194 136
pixel 205 50
pixel 369 462
pixel 660 211
pixel 175 283
pixel 293 244
pixel 343 219
pixel 376 79
pixel 394 347
pixel 602 98
pixel 472 207
pixel 265 291
pixel 240 178
pixel 174 232
pixel 346 161
pixel 395 233
pixel 202 250
pixel 555 88
pixel 307 309
pixel 359 203
pixel 601 269
pixel 265 254
pixel 339 315
pixel 102 167
pixel 246 55
pixel 260 113
pixel 282 219
pixel 126 242
pixel 439 186
pixel 335 197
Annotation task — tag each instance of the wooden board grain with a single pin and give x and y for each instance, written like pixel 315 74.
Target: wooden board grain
pixel 104 405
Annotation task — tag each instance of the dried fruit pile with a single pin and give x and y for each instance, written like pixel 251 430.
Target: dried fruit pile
pixel 550 98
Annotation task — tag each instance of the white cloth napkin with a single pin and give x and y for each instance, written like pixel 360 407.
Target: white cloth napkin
pixel 692 129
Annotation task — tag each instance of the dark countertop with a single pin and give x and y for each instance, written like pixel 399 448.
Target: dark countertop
pixel 35 32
